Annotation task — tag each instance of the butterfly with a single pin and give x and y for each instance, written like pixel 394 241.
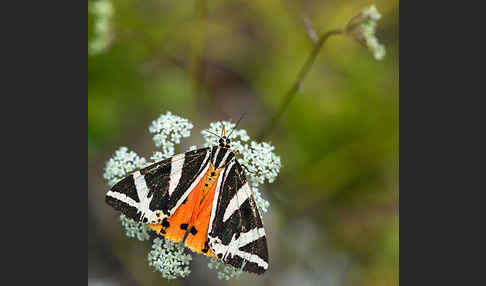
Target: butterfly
pixel 201 198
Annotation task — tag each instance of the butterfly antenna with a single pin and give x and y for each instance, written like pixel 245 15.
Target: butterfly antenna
pixel 212 133
pixel 244 113
pixel 205 130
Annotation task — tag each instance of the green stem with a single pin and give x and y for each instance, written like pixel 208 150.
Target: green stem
pixel 289 96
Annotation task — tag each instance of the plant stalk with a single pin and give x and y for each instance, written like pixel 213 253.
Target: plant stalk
pixel 290 95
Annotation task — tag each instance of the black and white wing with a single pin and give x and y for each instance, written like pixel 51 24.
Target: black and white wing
pixel 236 234
pixel 155 192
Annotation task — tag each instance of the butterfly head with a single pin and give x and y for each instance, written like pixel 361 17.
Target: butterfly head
pixel 224 142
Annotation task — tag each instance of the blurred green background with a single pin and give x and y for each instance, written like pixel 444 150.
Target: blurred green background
pixel 333 217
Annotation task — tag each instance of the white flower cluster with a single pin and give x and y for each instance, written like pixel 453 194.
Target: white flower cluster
pixel 368 27
pixel 135 229
pixel 225 272
pixel 371 13
pixel 121 164
pixel 261 163
pixel 168 257
pixel 363 28
pixel 169 130
pixel 102 11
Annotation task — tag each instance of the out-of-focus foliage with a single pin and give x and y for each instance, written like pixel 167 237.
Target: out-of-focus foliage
pixel 338 139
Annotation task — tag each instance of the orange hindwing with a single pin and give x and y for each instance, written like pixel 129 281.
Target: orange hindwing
pixel 191 219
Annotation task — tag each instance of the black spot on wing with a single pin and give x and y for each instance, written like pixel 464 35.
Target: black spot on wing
pixel 165 222
pixel 127 186
pixel 126 209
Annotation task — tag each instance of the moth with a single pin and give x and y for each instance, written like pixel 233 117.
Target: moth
pixel 201 198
